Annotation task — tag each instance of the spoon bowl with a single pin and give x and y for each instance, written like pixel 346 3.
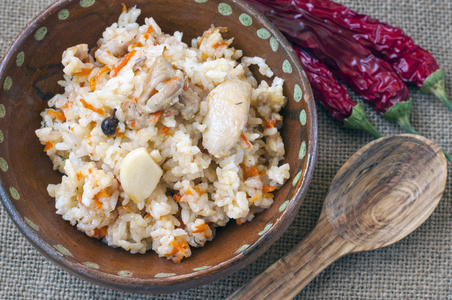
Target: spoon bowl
pixel 384 192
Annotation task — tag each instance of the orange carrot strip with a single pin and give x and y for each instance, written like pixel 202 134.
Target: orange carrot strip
pixel 172 79
pixel 84 72
pixel 189 192
pixel 155 117
pixel 255 197
pixel 100 232
pixel 79 175
pixel 86 105
pixel 251 171
pixel 201 228
pixel 132 124
pixel 93 80
pixel 125 207
pixel 270 123
pixel 199 191
pixel 268 188
pixel 124 7
pixel 67 105
pixel 177 197
pixel 148 32
pixel 248 145
pixel 166 130
pixel 49 145
pixel 97 202
pixel 179 248
pixel 239 222
pixel 123 63
pixel 219 44
pixel 269 195
pixel 57 115
pixel 103 193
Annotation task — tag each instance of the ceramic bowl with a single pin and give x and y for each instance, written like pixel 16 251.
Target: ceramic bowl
pixel 28 76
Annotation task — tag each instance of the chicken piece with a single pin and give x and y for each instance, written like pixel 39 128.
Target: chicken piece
pixel 139 63
pixel 228 108
pixel 119 45
pixel 168 95
pixel 161 70
pixel 131 114
pixel 189 103
pixel 74 59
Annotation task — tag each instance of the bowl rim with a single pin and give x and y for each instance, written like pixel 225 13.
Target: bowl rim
pixel 201 277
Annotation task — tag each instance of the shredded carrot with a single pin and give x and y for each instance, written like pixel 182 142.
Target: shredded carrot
pixel 135 99
pixel 132 124
pixel 239 222
pixel 148 32
pixel 172 79
pixel 125 207
pixel 177 197
pixel 86 105
pixel 136 45
pixel 189 192
pixel 57 115
pixel 119 134
pixel 49 145
pixel 67 105
pixel 79 175
pixel 251 171
pixel 219 44
pixel 248 145
pixel 97 202
pixel 199 191
pixel 268 188
pixel 155 117
pixel 100 232
pixel 124 7
pixel 255 197
pixel 93 80
pixel 166 130
pixel 103 193
pixel 179 248
pixel 201 228
pixel 210 31
pixel 270 123
pixel 269 195
pixel 123 63
pixel 84 72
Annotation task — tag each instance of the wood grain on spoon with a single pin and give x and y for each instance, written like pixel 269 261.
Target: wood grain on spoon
pixel 381 194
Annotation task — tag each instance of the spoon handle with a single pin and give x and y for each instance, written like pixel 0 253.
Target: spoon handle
pixel 289 275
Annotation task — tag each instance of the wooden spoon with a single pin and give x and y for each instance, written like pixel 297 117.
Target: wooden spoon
pixel 380 195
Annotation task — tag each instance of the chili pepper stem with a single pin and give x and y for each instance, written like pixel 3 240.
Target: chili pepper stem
pixel 358 120
pixel 435 84
pixel 400 113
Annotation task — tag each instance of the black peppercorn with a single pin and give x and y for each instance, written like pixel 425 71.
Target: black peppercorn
pixel 109 124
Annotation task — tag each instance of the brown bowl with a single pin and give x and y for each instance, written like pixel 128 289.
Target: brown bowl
pixel 28 76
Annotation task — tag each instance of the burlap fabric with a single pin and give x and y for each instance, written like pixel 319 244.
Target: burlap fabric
pixel 418 267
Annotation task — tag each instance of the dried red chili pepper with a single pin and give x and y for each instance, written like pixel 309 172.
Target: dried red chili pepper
pixel 370 77
pixel 333 95
pixel 412 63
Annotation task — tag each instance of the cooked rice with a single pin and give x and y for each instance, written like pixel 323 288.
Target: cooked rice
pixel 197 191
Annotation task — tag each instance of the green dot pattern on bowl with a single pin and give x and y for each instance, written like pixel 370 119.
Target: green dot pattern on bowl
pixel 303 117
pixel 267 228
pixel 2 137
pixel 284 206
pixel 201 268
pixel 201 1
pixel 8 83
pixel 246 20
pixel 20 58
pixel 225 9
pixel 40 33
pixel 2 111
pixel 243 248
pixel 263 34
pixel 87 3
pixel 163 275
pixel 3 164
pixel 296 179
pixel 14 193
pixel 92 265
pixel 287 67
pixel 63 250
pixel 297 93
pixel 31 224
pixel 63 14
pixel 274 44
pixel 125 273
pixel 302 153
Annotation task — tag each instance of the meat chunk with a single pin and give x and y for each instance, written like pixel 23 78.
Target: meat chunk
pixel 131 114
pixel 168 95
pixel 119 45
pixel 228 108
pixel 189 103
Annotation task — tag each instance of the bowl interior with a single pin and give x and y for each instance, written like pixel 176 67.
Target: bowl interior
pixel 29 73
